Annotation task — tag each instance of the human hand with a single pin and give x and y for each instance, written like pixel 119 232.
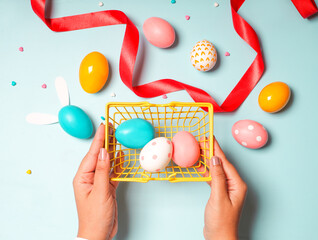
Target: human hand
pixel 228 190
pixel 95 194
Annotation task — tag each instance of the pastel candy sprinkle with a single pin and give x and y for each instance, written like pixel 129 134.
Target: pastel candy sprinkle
pixel 216 4
pixel 44 85
pixel 102 118
pixel 173 1
pixel 227 54
pixel 100 4
pixel 113 94
pixel 28 172
pixel 187 17
pixel 164 96
pixel 13 83
pixel 21 49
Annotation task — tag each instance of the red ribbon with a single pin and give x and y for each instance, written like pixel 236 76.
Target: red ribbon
pixel 130 48
pixel 306 8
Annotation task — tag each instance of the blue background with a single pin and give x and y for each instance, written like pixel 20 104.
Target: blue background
pixel 282 177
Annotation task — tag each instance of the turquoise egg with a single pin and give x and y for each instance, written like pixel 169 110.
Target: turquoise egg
pixel 75 122
pixel 135 133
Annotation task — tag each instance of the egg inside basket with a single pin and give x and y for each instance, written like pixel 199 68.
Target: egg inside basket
pixel 167 119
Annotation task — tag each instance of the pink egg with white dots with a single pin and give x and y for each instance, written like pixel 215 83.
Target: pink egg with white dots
pixel 156 154
pixel 250 134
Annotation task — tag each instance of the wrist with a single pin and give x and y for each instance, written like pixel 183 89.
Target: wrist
pixel 91 235
pixel 226 234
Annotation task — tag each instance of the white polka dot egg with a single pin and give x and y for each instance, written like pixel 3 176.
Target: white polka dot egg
pixel 250 134
pixel 203 56
pixel 156 155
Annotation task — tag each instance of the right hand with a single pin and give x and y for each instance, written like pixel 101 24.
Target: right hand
pixel 228 191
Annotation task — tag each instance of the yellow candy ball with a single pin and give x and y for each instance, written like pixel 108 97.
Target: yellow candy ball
pixel 93 72
pixel 274 97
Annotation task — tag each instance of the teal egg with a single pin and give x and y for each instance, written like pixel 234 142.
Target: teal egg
pixel 135 133
pixel 75 122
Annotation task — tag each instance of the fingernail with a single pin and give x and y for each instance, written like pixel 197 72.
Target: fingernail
pixel 102 154
pixel 215 161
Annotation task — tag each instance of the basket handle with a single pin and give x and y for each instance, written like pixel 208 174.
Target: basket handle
pixel 172 177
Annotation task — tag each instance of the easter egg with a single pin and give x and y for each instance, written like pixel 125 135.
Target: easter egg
pixel 75 122
pixel 93 72
pixel 203 56
pixel 249 134
pixel 186 149
pixel 135 133
pixel 159 32
pixel 156 155
pixel 274 97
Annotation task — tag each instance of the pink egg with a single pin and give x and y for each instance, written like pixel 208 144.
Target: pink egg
pixel 159 32
pixel 250 134
pixel 186 149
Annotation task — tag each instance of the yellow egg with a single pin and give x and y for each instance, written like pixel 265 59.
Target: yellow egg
pixel 93 72
pixel 274 97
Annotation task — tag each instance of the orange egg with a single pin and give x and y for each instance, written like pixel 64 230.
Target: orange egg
pixel 93 72
pixel 274 97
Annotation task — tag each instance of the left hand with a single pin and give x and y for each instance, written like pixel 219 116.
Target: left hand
pixel 95 194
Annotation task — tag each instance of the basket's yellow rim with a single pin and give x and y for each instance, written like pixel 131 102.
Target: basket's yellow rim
pixel 171 105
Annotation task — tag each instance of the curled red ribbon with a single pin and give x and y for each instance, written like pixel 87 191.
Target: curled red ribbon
pixel 130 48
pixel 306 8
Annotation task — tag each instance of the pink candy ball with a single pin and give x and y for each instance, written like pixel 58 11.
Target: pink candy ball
pixel 159 32
pixel 250 134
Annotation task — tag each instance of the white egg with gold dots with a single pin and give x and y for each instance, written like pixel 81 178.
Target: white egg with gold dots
pixel 203 56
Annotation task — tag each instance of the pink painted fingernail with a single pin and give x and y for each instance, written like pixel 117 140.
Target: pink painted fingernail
pixel 215 161
pixel 187 17
pixel 227 54
pixel 102 154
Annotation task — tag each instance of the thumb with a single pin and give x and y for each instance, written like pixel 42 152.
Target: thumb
pixel 101 178
pixel 218 183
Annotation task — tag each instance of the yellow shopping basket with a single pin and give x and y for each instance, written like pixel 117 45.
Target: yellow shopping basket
pixel 167 120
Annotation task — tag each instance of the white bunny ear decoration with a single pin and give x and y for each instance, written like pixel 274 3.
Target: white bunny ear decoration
pixel 41 118
pixel 62 91
pixel 63 95
pixel 72 119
